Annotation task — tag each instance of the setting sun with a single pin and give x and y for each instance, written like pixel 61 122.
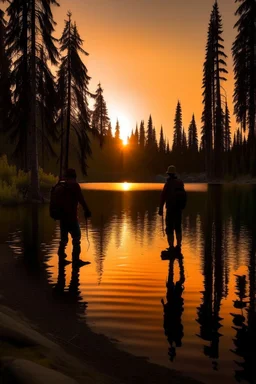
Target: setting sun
pixel 125 125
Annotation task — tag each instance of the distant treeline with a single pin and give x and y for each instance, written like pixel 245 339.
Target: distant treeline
pixel 45 120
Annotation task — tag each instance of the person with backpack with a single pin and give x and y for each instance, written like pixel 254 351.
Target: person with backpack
pixel 174 197
pixel 65 197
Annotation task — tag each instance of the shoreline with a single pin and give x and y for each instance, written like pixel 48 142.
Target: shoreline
pixel 60 322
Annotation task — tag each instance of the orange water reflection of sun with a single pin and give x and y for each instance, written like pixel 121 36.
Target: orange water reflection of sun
pixel 126 186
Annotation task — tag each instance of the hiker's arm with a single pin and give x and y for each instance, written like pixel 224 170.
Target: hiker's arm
pixel 162 200
pixel 82 201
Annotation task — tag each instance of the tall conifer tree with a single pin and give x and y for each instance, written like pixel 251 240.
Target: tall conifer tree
pixel 117 131
pixel 150 138
pixel 100 119
pixel 73 78
pixel 212 117
pixel 244 56
pixel 30 28
pixel 192 136
pixel 142 136
pixel 161 141
pixel 177 131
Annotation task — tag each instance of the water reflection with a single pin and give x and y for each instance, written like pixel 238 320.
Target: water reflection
pixel 120 292
pixel 213 271
pixel 244 323
pixel 174 306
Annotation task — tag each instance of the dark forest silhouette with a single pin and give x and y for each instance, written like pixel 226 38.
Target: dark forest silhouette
pixel 45 120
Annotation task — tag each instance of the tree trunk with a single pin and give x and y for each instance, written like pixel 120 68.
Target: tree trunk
pixel 218 145
pixel 69 102
pixel 252 92
pixel 42 115
pixel 35 191
pixel 26 87
pixel 61 142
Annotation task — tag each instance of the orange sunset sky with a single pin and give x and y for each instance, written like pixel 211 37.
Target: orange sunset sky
pixel 147 54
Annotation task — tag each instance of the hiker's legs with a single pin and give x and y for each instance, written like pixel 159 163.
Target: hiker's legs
pixel 63 238
pixel 178 229
pixel 76 240
pixel 169 229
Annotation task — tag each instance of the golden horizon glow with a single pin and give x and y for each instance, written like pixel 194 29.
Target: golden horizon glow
pixel 148 60
pixel 124 123
pixel 126 186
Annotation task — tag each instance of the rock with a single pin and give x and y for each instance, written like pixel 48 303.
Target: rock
pixel 18 333
pixel 20 371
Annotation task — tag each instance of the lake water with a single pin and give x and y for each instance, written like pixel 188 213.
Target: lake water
pixel 195 314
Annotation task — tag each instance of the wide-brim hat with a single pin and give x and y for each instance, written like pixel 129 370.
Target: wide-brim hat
pixel 171 170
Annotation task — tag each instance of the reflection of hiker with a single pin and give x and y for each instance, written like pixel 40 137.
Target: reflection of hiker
pixel 70 295
pixel 174 197
pixel 65 197
pixel 173 308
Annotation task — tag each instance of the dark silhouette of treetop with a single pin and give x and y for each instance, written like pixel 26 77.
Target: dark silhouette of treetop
pixel 100 119
pixel 74 80
pixel 177 130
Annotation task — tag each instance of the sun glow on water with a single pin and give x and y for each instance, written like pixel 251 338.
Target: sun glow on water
pixel 126 186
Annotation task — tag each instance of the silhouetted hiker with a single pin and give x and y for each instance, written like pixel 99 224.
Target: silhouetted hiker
pixel 65 197
pixel 174 197
pixel 173 308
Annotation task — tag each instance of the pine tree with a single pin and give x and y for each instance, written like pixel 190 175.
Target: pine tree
pixel 136 135
pixel 74 79
pixel 142 135
pixel 5 84
pixel 177 131
pixel 161 141
pixel 220 69
pixel 117 131
pixel 192 136
pixel 214 68
pixel 100 119
pixel 30 27
pixel 244 56
pixel 150 138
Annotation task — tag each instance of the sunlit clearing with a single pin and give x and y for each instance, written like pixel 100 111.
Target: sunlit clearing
pixel 126 186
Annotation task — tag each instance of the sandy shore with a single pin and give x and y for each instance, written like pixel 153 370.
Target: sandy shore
pixel 25 289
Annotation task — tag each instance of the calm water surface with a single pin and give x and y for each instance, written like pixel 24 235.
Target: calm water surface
pixel 196 315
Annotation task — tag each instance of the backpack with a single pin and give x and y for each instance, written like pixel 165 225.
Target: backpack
pixel 181 199
pixel 57 200
pixel 176 195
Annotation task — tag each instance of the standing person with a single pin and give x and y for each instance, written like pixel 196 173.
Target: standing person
pixel 174 197
pixel 65 197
